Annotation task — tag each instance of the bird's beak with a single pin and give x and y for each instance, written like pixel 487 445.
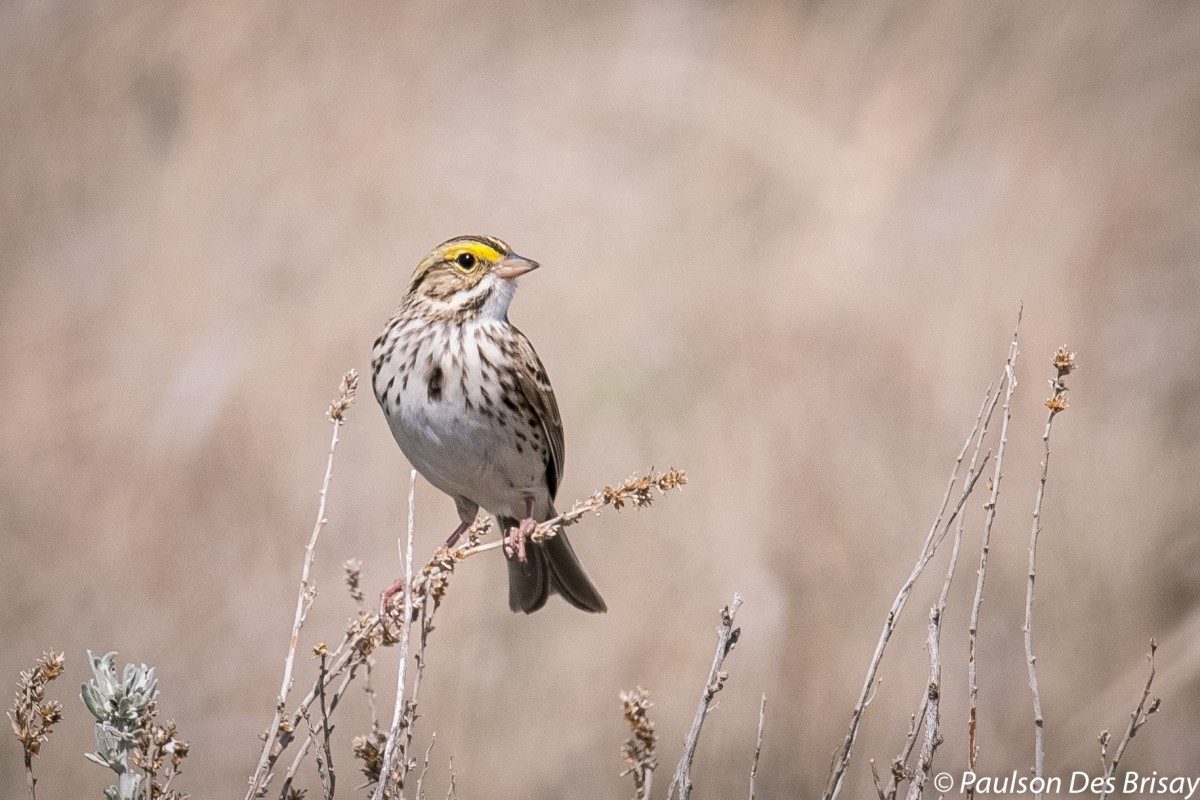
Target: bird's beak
pixel 514 266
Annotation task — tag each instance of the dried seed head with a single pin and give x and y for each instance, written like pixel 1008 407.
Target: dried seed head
pixel 369 750
pixel 33 719
pixel 638 750
pixel 51 665
pixel 1057 403
pixel 353 569
pixel 1064 361
pixel 345 399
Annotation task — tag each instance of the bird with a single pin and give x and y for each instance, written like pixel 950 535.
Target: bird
pixel 471 406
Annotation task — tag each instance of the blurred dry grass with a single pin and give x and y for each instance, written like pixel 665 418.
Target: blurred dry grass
pixel 785 245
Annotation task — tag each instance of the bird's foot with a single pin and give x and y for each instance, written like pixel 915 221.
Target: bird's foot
pixel 514 544
pixel 388 596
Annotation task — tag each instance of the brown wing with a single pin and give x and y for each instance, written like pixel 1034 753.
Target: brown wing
pixel 535 387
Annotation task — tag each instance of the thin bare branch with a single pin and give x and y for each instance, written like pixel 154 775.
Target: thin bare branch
pixel 325 764
pixel 334 699
pixel 304 599
pixel 450 790
pixel 880 792
pixel 386 773
pixel 1064 363
pixel 762 716
pixel 900 771
pixel 727 637
pixel 916 786
pixel 1136 720
pixel 928 547
pixel 1010 369
pixel 420 792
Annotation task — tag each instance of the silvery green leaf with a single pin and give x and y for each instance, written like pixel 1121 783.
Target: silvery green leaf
pixel 94 701
pixel 104 672
pixel 125 708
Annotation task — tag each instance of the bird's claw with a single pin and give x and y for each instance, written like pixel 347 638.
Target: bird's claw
pixel 514 543
pixel 389 594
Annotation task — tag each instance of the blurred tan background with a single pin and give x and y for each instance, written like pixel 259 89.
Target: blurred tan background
pixel 785 244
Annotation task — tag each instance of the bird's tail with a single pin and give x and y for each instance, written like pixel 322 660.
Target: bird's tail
pixel 551 566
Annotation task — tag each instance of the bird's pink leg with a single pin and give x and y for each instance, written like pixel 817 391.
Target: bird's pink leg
pixel 458 532
pixel 515 543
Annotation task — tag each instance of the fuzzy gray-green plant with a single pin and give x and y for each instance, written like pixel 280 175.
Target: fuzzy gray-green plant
pixel 128 741
pixel 122 709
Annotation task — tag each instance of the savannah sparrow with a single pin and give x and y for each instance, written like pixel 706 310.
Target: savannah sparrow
pixel 471 406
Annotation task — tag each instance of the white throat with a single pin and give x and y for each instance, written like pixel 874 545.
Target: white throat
pixel 496 305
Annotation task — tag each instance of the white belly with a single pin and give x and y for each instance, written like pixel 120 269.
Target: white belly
pixel 455 446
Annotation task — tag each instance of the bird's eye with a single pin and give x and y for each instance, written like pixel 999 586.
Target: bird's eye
pixel 466 260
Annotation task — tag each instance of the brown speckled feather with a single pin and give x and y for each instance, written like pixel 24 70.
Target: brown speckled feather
pixel 535 386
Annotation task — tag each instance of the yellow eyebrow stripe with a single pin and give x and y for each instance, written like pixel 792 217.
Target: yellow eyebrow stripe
pixel 480 250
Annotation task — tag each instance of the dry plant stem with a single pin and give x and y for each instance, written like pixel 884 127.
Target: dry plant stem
pixel 410 709
pixel 1136 720
pixel 1064 363
pixel 991 400
pixel 304 599
pixel 640 748
pixel 294 769
pixel 372 696
pixel 928 547
pixel 899 764
pixel 635 491
pixel 727 636
pixel 368 674
pixel 33 719
pixel 398 714
pixel 1010 369
pixel 880 792
pixel 344 660
pixel 328 778
pixel 762 716
pixel 345 666
pixel 900 771
pixel 916 786
pixel 450 790
pixel 30 780
pixel 1039 741
pixel 420 793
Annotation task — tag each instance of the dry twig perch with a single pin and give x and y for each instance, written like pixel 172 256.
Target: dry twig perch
pixel 727 637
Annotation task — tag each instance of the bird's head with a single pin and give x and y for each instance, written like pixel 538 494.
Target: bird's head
pixel 471 274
